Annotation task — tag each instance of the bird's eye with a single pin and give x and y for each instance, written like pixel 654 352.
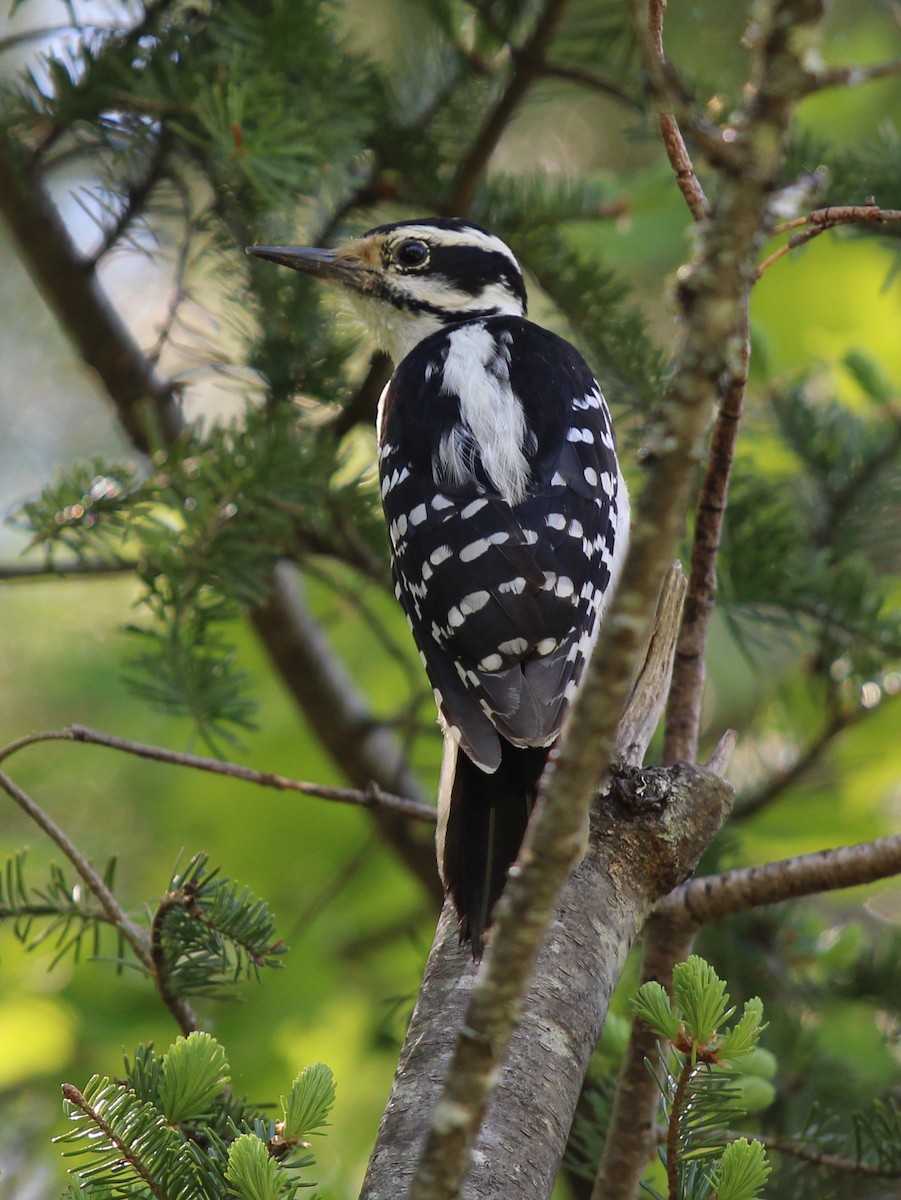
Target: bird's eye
pixel 412 253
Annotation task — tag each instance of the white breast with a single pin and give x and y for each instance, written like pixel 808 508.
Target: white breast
pixel 477 371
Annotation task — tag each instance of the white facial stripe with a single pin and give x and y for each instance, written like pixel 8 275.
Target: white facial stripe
pixel 452 237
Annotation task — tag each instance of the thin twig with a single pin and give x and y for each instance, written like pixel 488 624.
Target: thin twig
pixel 854 76
pixel 674 143
pixel 832 1162
pixel 135 199
pixel 672 1129
pixel 92 879
pixel 373 797
pixel 593 82
pixel 821 219
pixel 683 714
pixel 115 914
pixel 671 97
pixel 839 719
pixel 39 572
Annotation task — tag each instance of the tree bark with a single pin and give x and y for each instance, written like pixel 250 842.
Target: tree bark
pixel 647 832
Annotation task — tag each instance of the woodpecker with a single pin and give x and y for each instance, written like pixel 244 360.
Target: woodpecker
pixel 507 514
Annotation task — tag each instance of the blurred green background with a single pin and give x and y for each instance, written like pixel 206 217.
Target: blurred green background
pixel 358 926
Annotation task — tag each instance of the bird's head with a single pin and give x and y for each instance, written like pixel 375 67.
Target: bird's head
pixel 410 279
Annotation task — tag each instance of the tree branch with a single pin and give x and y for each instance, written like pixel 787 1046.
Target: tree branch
pixel 632 1130
pixel 832 1162
pixel 715 896
pixel 648 827
pixel 713 295
pixel 821 219
pixel 562 1023
pixel 674 144
pixel 361 749
pixel 40 572
pixel 527 64
pixel 829 77
pixel 144 401
pixel 683 713
pixel 373 797
pixel 115 914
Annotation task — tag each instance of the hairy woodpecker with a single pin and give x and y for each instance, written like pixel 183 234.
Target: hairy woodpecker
pixel 507 515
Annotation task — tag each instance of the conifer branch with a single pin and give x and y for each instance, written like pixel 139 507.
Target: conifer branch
pixel 115 914
pixel 372 797
pixel 632 1131
pixel 135 199
pixel 78 1100
pixel 95 884
pixel 306 664
pixel 831 1162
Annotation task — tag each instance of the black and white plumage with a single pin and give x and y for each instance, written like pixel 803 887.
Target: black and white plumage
pixel 507 515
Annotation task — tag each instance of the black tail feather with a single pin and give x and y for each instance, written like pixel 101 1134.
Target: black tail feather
pixel 487 819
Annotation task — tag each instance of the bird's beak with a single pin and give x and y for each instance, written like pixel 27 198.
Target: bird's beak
pixel 325 264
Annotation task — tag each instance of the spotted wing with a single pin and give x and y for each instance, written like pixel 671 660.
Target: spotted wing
pixel 503 597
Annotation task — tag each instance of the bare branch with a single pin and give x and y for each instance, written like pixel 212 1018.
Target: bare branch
pixel 373 797
pixel 830 77
pixel 650 823
pixel 673 142
pixel 40 572
pixel 527 64
pixel 821 219
pixel 93 881
pixel 720 277
pixel 671 98
pixel 715 896
pixel 144 400
pixel 683 714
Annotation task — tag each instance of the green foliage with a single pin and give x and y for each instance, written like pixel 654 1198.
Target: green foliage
pixel 700 1098
pixel 169 1130
pixel 204 529
pixel 741 1172
pixel 309 1102
pixel 252 1173
pixel 594 299
pixel 832 516
pixel 194 1072
pixel 69 915
pixel 209 931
